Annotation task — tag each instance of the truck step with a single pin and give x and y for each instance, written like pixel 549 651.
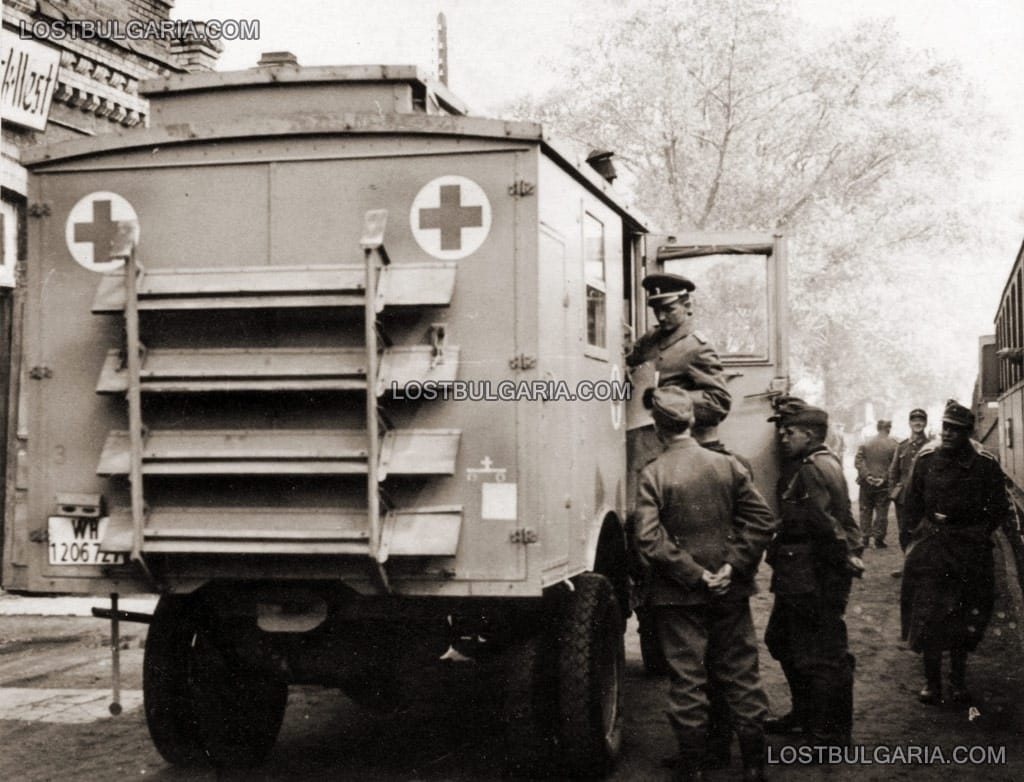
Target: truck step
pixel 428 531
pixel 276 369
pixel 331 285
pixel 282 452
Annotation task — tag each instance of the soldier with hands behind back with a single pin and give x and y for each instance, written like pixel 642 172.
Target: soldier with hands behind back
pixel 872 461
pixel 703 527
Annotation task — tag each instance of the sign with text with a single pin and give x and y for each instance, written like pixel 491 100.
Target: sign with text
pixel 28 78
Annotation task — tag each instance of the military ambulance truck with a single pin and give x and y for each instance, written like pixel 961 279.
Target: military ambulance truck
pixel 335 370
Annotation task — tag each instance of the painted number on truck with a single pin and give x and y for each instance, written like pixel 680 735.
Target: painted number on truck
pixel 77 542
pixel 450 217
pixel 91 224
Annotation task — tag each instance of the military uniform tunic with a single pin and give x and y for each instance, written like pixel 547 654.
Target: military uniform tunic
pixel 873 460
pixel 899 480
pixel 955 502
pixel 811 580
pixel 696 511
pixel 681 358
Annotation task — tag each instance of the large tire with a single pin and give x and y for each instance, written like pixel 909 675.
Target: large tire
pixel 169 710
pixel 202 704
pixel 530 707
pixel 591 666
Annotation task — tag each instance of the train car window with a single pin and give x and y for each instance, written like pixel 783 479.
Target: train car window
pixel 731 302
pixel 594 270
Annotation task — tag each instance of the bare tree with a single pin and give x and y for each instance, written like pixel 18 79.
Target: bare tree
pixel 729 115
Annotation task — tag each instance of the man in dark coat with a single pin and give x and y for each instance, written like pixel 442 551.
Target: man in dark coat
pixel 957 499
pixel 872 461
pixel 899 470
pixel 703 527
pixel 814 556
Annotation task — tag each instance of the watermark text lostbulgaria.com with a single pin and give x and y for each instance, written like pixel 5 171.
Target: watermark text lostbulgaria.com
pixel 141 29
pixel 887 755
pixel 514 391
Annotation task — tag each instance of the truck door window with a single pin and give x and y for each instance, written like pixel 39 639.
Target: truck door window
pixel 731 302
pixel 594 273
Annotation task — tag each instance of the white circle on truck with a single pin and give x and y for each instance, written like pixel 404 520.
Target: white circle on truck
pixel 450 217
pixel 91 225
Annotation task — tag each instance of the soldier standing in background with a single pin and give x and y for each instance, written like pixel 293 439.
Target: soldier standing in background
pixel 703 527
pixel 956 500
pixel 872 462
pixel 814 556
pixel 899 473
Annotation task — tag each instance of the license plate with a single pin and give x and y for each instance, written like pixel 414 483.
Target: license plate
pixel 77 542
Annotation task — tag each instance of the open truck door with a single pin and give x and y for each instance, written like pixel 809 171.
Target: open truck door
pixel 740 307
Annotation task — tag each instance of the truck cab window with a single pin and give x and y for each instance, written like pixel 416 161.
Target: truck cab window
pixel 732 302
pixel 594 272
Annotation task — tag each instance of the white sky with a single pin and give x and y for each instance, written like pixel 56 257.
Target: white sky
pixel 502 48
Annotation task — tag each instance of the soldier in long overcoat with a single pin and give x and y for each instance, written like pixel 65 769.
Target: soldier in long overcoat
pixel 957 499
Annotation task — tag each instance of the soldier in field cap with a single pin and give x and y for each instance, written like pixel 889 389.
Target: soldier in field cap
pixel 813 557
pixel 899 471
pixel 703 527
pixel 956 500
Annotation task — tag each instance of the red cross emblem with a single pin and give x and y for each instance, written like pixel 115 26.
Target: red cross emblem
pixel 450 217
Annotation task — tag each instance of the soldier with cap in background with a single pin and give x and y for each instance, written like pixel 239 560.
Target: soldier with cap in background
pixel 872 461
pixel 703 527
pixel 956 500
pixel 899 471
pixel 814 556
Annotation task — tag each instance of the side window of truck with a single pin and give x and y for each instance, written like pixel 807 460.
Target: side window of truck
pixel 594 269
pixel 732 302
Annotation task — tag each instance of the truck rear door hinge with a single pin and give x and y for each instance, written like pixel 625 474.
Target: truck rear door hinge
pixel 39 209
pixel 40 372
pixel 522 361
pixel 523 536
pixel 521 188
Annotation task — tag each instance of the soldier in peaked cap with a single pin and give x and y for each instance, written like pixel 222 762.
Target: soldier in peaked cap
pixel 813 557
pixel 670 354
pixel 703 526
pixel 899 470
pixel 673 354
pixel 956 500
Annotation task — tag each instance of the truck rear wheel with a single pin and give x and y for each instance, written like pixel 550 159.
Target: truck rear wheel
pixel 591 666
pixel 202 704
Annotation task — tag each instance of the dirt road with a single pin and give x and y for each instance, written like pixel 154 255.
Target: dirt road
pixel 54 675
